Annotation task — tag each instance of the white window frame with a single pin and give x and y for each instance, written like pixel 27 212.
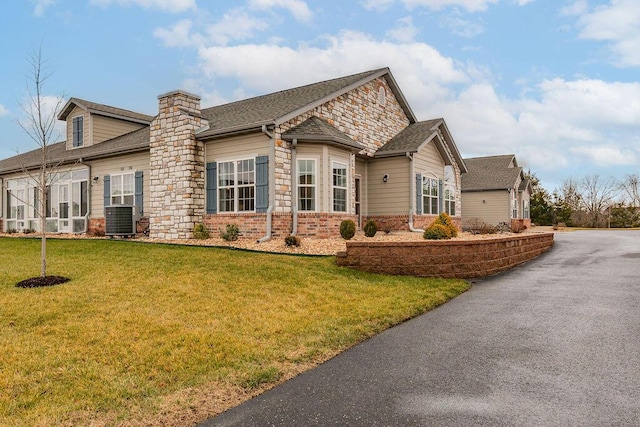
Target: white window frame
pixel 525 209
pixel 313 186
pixel 334 187
pixel 514 204
pixel 123 192
pixel 449 198
pixel 429 183
pixel 236 187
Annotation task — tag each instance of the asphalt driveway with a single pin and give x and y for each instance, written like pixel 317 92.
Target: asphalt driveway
pixel 554 342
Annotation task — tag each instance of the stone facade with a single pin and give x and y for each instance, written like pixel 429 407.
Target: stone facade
pixel 177 198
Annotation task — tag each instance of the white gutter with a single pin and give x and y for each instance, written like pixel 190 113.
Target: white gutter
pixel 412 192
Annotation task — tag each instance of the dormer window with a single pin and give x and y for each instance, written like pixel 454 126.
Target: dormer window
pixel 78 134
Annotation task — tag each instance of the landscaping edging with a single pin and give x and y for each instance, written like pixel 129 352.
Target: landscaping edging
pixel 464 259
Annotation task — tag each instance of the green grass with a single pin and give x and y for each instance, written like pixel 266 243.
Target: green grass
pixel 139 323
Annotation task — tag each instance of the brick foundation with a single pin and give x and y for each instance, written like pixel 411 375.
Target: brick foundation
pixel 401 222
pixel 254 225
pixel 445 258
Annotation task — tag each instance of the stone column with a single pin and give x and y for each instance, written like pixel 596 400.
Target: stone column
pixel 177 167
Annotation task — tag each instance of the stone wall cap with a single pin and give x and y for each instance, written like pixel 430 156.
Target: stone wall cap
pixel 179 92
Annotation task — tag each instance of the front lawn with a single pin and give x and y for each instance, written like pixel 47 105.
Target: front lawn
pixel 172 334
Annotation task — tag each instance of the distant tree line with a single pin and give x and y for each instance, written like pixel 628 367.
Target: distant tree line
pixel 591 201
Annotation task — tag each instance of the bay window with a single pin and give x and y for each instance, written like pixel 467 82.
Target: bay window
pixel 339 187
pixel 306 183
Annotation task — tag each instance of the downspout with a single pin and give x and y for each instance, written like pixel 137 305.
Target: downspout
pixel 272 155
pixel 294 197
pixel 412 193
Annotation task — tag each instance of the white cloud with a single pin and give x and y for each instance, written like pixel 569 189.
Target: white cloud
pixel 377 5
pixel 3 111
pixel 235 25
pixel 297 8
pixel 177 36
pixel 405 32
pixel 575 9
pixel 617 23
pixel 172 6
pixel 608 155
pixel 461 26
pixel 41 5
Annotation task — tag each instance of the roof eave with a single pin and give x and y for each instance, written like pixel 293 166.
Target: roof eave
pixel 355 147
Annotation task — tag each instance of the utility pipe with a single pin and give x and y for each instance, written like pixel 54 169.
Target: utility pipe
pixel 294 195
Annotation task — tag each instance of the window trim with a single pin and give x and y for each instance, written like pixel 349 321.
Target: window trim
pixel 123 194
pixel 433 179
pixel 235 186
pixel 449 190
pixel 315 185
pixel 345 163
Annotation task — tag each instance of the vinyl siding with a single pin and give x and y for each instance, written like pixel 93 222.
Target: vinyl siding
pixel 77 111
pixel 496 209
pixel 391 197
pixel 428 162
pixel 105 128
pixel 236 147
pixel 116 165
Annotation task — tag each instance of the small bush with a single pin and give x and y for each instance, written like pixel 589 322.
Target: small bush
pixel 11 231
pixel 200 231
pixel 347 229
pixel 231 233
pixel 370 228
pixel 28 231
pixel 437 232
pixel 503 227
pixel 445 219
pixel 477 226
pixel 292 241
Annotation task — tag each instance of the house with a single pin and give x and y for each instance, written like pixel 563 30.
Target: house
pixel 298 161
pixel 495 190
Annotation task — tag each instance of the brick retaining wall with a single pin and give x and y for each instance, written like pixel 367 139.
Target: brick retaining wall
pixel 463 259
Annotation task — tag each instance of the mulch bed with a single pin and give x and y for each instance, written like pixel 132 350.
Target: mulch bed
pixel 37 282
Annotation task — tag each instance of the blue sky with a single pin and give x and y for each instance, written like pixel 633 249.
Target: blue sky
pixel 555 82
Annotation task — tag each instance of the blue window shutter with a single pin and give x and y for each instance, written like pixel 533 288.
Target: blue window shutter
pixel 138 192
pixel 262 183
pixel 418 194
pixel 107 191
pixel 440 197
pixel 212 188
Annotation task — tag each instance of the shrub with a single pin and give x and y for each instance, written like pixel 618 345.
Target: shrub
pixel 437 232
pixel 503 227
pixel 347 229
pixel 200 231
pixel 445 219
pixel 370 228
pixel 292 241
pixel 28 231
pixel 231 233
pixel 11 231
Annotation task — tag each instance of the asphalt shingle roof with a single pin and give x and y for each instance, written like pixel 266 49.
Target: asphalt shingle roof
pixel 411 137
pixel 490 173
pixel 316 129
pixel 104 109
pixel 137 140
pixel 265 109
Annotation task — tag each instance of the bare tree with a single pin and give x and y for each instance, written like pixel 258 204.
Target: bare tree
pixel 630 186
pixel 39 123
pixel 597 195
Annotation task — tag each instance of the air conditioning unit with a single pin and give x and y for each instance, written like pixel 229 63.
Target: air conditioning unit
pixel 120 220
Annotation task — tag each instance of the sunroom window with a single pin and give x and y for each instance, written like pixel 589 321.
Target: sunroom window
pixel 306 185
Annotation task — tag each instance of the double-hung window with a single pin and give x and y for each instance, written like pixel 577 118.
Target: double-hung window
pixel 430 195
pixel 306 182
pixel 525 209
pixel 123 189
pixel 237 186
pixel 78 131
pixel 514 204
pixel 450 200
pixel 339 187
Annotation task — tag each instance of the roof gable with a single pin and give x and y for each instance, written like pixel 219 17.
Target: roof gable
pixel 491 173
pixel 314 129
pixel 278 107
pixel 412 138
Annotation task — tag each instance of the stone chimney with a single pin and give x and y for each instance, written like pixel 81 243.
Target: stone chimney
pixel 177 167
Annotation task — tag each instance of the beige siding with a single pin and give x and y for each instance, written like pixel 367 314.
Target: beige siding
pixel 77 111
pixel 428 162
pixel 344 157
pixel 105 128
pixel 236 147
pixel 392 197
pixel 116 165
pixel 361 171
pixel 495 209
